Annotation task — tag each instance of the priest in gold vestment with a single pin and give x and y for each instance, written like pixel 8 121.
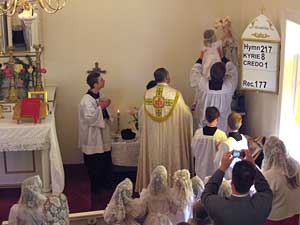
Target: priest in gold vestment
pixel 166 131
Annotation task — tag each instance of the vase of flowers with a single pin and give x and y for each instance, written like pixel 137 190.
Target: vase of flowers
pixel 27 74
pixel 134 113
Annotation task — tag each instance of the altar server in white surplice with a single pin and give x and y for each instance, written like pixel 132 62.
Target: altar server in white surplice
pixel 205 142
pixel 94 134
pixel 216 91
pixel 166 133
pixel 235 141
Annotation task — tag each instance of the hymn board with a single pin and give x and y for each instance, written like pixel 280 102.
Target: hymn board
pixel 260 56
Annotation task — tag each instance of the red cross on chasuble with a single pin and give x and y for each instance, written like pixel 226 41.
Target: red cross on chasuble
pixel 160 106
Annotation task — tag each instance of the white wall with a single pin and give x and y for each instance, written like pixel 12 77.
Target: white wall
pixel 262 108
pixel 130 39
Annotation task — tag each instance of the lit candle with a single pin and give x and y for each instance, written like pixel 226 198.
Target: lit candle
pixel 118 120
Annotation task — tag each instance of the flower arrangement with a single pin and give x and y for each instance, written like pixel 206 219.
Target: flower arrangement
pixel 25 73
pixel 222 22
pixel 134 113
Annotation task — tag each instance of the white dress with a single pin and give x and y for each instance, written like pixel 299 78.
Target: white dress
pixel 158 208
pixel 211 56
pixel 20 215
pixel 220 98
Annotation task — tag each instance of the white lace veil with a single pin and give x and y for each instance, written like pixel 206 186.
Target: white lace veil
pixel 32 193
pixel 276 157
pixel 198 187
pixel 115 211
pixel 225 188
pixel 56 210
pixel 159 181
pixel 183 186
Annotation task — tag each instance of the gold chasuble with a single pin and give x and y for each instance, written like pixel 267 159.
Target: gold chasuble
pixel 166 133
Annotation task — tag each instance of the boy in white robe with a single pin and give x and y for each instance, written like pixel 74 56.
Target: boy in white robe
pixel 235 141
pixel 94 135
pixel 205 141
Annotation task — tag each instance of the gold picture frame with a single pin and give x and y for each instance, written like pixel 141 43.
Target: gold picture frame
pixel 43 95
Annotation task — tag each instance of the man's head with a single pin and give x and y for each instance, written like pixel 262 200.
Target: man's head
pixel 243 175
pixel 95 81
pixel 234 121
pixel 217 71
pixel 212 114
pixel 161 75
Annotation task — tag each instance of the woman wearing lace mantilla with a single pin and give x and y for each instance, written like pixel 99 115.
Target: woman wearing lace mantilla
pixel 29 210
pixel 156 201
pixel 183 195
pixel 283 175
pixel 120 210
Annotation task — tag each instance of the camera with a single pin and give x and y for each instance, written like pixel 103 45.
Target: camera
pixel 238 154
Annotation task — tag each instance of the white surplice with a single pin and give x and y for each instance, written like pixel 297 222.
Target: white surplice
pixel 220 98
pixel 204 151
pixel 166 133
pixel 94 130
pixel 229 145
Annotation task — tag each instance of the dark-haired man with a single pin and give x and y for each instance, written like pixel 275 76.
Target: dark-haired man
pixel 166 132
pixel 214 91
pixel 240 208
pixel 205 142
pixel 94 135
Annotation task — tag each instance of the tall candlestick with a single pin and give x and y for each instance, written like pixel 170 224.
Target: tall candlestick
pixel 118 120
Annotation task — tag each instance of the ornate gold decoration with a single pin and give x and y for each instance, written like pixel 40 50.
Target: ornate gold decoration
pixel 38 52
pixel 12 91
pixel 260 35
pixel 159 102
pixel 252 23
pixel 271 27
pixel 10 7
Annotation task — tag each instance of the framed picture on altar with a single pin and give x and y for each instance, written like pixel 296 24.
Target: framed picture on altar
pixel 43 95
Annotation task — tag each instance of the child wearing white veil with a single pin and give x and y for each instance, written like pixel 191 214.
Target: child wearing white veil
pixel 29 209
pixel 198 188
pixel 119 210
pixel 155 201
pixel 183 195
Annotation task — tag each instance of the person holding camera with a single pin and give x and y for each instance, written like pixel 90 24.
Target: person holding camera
pixel 240 208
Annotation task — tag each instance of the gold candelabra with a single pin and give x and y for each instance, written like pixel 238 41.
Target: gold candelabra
pixel 39 83
pixel 12 91
pixel 10 7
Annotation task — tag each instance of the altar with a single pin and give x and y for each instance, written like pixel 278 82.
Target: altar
pixel 38 139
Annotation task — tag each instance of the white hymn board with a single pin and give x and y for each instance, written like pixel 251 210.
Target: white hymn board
pixel 260 56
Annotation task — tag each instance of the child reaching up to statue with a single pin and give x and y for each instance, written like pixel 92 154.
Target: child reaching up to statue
pixel 211 52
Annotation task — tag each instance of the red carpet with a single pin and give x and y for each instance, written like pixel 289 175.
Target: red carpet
pixel 77 190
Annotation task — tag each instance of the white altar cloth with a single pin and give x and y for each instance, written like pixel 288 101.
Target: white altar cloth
pixel 36 137
pixel 125 153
